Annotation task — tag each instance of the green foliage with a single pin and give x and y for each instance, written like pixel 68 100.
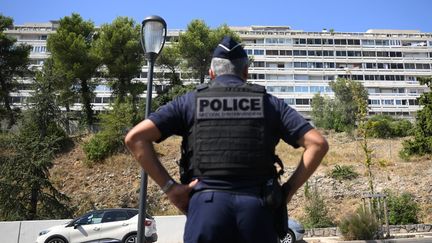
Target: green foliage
pixel 316 210
pixel 25 189
pixel 196 46
pixel 343 172
pixel 421 144
pixel 71 48
pixel 170 59
pixel 340 113
pixel 14 59
pixel 117 46
pixel 172 93
pixel 361 225
pixel 381 126
pixel 110 139
pixel 402 208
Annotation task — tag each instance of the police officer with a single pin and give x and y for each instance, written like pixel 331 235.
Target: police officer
pixel 230 130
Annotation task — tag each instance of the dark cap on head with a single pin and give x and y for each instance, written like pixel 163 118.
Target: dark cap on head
pixel 229 49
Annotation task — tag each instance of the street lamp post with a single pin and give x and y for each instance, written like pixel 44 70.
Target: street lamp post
pixel 153 34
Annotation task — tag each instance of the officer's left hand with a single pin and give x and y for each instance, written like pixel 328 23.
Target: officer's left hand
pixel 179 195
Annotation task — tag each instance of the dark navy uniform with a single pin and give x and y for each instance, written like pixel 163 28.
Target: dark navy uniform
pixel 227 204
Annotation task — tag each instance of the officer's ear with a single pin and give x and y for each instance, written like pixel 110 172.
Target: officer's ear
pixel 212 74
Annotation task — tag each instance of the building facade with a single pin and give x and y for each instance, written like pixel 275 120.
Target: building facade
pixel 294 65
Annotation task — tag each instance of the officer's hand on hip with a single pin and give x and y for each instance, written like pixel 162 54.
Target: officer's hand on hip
pixel 179 195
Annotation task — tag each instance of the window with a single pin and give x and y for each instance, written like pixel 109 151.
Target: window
pixel 329 65
pixel 256 76
pixel 91 218
pixel 299 41
pixel 301 89
pixel 368 42
pixel 258 52
pixel 285 52
pixel 413 102
pixel 382 54
pixel 340 41
pixel 113 216
pixel 302 101
pixel 369 54
pixel 382 42
pixel 328 53
pixel 387 102
pixel 257 64
pixel 299 53
pixel 409 66
pixel 301 77
pixel 327 41
pixel 289 101
pixel 422 66
pixel 272 52
pixel 300 64
pixel 353 42
pixel 320 89
pixel 373 102
pixel 341 53
pixel 395 54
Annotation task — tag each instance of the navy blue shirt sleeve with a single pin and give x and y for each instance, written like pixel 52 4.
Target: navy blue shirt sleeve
pixel 292 125
pixel 175 117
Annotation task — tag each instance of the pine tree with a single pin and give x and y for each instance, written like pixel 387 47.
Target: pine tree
pixel 26 191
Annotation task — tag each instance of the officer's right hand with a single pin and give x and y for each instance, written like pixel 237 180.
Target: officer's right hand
pixel 179 195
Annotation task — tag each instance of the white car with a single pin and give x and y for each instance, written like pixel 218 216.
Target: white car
pixel 107 225
pixel 295 232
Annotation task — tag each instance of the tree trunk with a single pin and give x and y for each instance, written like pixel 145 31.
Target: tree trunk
pixel 10 114
pixel 86 102
pixel 67 125
pixel 33 201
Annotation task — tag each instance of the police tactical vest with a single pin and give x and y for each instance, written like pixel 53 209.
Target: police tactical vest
pixel 229 136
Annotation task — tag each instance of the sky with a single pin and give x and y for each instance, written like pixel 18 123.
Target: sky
pixel 307 15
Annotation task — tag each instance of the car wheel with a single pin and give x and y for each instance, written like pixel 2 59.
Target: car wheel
pixel 132 238
pixel 289 238
pixel 56 240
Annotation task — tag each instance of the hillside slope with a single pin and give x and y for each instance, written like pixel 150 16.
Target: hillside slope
pixel 115 183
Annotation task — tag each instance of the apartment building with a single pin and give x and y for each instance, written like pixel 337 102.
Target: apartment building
pixel 294 65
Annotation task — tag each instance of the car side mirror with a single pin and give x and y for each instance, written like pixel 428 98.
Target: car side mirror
pixel 76 225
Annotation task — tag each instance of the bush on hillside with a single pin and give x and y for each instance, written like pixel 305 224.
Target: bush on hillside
pixel 316 210
pixel 402 208
pixel 110 139
pixel 361 225
pixel 381 126
pixel 343 172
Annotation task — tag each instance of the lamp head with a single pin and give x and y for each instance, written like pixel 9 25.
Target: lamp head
pixel 153 34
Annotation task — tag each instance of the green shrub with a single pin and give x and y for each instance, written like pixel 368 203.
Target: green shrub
pixel 402 209
pixel 361 225
pixel 417 146
pixel 109 140
pixel 381 126
pixel 316 210
pixel 100 146
pixel 343 172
